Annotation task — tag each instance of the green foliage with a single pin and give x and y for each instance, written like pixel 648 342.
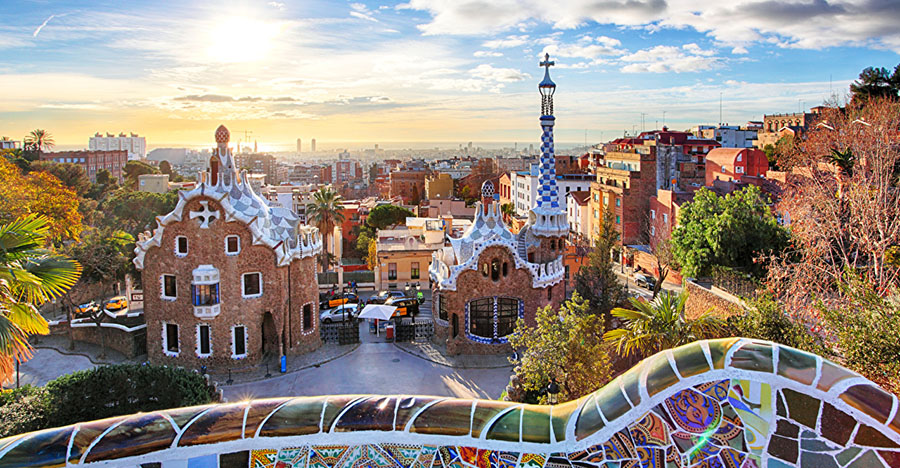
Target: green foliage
pixel 104 254
pixel 384 216
pixel 133 169
pixel 565 346
pixel 733 231
pixel 596 281
pixel 136 212
pixel 165 167
pixel 875 82
pixel 654 326
pixel 36 141
pixel 325 212
pixel 101 392
pixel 766 320
pixel 71 175
pixel 105 184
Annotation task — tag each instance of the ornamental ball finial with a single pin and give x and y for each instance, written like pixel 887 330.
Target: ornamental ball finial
pixel 222 135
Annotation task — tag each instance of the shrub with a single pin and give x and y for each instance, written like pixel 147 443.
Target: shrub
pixel 766 320
pixel 98 393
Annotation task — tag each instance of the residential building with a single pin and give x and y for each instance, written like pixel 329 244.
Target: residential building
pixel 135 145
pixel 439 186
pixel 623 188
pixel 488 278
pixel 797 122
pixel 729 136
pixel 404 253
pixel 524 187
pixel 504 189
pixel 228 278
pixel 153 183
pixel 408 182
pixel 299 146
pixel 92 161
pixel 304 174
pixel 313 145
pixel 735 164
pixel 9 144
pixel 341 171
pixel 258 163
pixel 578 213
pixel 455 208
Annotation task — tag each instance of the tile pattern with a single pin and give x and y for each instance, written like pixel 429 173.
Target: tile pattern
pixel 730 403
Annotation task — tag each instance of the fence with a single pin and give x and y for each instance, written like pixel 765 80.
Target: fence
pixel 339 333
pixel 735 282
pixel 415 331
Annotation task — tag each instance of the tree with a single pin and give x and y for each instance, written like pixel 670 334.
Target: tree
pixel 733 231
pixel 30 275
pixel 566 346
pixel 105 184
pixel 662 253
pixel 597 281
pixel 165 167
pixel 416 197
pixel 326 211
pixel 71 175
pixel 39 193
pixel 136 212
pixel 873 83
pixel 36 141
pixel 651 327
pixel 384 216
pixel 765 320
pixel 842 201
pixel 134 169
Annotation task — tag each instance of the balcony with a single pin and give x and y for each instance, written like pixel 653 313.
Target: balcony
pixel 207 311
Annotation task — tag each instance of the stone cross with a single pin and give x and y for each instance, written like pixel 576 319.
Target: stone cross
pixel 205 215
pixel 547 63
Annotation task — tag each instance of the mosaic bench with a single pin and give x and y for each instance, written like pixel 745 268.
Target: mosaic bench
pixel 730 403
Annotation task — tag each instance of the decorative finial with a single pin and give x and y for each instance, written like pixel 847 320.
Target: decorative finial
pixel 222 136
pixel 547 87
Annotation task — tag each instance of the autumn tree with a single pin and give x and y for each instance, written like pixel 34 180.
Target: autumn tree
pixel 70 174
pixel 566 346
pixel 843 203
pixel 39 193
pixel 135 169
pixel 732 231
pixel 165 167
pixel 875 83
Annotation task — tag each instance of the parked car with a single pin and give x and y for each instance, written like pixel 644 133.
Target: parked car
pixel 339 313
pixel 644 281
pixel 338 299
pixel 116 303
pixel 406 306
pixel 88 309
pixel 383 296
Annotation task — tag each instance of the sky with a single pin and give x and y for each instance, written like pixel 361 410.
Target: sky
pixel 423 70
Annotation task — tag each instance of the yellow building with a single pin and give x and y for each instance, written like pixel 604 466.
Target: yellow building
pixel 439 186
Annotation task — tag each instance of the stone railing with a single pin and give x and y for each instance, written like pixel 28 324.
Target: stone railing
pixel 721 403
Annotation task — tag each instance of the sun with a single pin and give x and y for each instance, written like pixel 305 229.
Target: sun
pixel 237 40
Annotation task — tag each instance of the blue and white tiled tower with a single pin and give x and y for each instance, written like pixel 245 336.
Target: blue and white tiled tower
pixel 547 218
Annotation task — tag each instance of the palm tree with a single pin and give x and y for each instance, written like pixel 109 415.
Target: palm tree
pixel 29 276
pixel 39 139
pixel 654 326
pixel 325 212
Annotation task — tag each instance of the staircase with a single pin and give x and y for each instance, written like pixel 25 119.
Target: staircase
pixel 521 248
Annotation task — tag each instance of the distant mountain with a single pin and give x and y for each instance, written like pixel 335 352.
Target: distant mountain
pixel 173 155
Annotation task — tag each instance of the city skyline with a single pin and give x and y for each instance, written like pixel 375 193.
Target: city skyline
pixel 422 71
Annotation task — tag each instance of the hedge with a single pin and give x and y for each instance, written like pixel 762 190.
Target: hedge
pixel 98 393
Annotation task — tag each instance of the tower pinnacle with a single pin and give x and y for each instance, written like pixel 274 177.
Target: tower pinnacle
pixel 547 87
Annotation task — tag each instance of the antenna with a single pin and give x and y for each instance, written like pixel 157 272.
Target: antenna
pixel 720 108
pixel 642 121
pixel 664 118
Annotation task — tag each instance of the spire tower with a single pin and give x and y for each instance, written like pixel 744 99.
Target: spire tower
pixel 547 217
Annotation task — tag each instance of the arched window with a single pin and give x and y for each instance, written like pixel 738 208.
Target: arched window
pixel 481 317
pixel 505 269
pixel 495 269
pixel 507 313
pixel 491 319
pixel 552 244
pixel 484 269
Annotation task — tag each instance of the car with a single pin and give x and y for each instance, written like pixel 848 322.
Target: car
pixel 383 296
pixel 406 306
pixel 116 303
pixel 644 281
pixel 88 309
pixel 339 313
pixel 339 299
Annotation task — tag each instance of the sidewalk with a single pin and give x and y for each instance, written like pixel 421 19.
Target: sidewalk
pixel 326 353
pixel 92 352
pixel 437 354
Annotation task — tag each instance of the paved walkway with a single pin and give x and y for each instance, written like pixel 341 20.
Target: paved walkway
pixel 378 368
pixel 327 352
pixel 437 354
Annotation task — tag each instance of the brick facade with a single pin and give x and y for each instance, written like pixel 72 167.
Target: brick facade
pixel 285 290
pixel 472 285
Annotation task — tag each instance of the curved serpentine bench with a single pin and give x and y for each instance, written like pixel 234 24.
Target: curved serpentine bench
pixel 733 403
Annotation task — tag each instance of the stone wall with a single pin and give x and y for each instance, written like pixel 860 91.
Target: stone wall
pixel 702 298
pixel 129 343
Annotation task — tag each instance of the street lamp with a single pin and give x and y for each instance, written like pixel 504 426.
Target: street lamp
pixel 552 393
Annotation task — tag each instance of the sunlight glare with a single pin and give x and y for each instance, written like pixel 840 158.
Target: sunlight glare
pixel 237 40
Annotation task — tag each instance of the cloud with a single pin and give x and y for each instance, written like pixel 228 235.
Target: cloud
pixel 586 48
pixel 362 12
pixel 739 50
pixel 501 75
pixel 38 30
pixel 276 5
pixel 509 41
pixel 809 24
pixel 486 53
pixel 669 59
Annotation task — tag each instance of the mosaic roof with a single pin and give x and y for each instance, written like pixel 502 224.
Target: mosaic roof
pixel 276 227
pixel 732 403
